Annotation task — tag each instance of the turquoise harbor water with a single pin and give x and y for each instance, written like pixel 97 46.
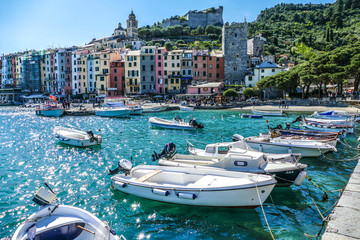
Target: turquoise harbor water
pixel 29 156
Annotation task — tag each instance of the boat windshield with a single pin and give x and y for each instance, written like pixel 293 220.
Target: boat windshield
pixel 223 150
pixel 70 231
pixel 210 150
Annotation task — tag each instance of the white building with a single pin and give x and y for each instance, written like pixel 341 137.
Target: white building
pixel 265 69
pixel 6 71
pixel 59 61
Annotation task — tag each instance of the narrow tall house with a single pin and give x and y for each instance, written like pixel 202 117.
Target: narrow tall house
pixel 234 46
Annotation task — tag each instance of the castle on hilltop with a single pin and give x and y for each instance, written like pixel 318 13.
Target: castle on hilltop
pixel 194 18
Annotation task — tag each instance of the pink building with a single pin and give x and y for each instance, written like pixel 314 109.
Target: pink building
pixel 159 70
pixel 67 90
pixel 213 88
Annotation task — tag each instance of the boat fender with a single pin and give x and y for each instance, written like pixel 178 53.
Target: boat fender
pixel 290 150
pixel 186 195
pixel 121 184
pixel 160 192
pixel 300 178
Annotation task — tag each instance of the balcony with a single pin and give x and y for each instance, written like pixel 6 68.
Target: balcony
pixel 174 76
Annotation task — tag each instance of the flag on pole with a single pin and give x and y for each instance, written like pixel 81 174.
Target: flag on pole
pixel 53 98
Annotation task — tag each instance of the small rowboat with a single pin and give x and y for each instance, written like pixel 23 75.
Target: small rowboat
pixel 199 187
pixel 186 108
pixel 268 113
pixel 76 138
pixel 326 127
pixel 154 109
pixel 251 116
pixel 176 123
pixel 113 112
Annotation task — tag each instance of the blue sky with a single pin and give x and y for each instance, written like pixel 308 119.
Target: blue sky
pixel 40 24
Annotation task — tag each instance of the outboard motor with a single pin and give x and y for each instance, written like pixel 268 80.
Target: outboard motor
pixel 298 119
pixel 168 151
pixel 237 137
pixel 287 126
pixel 91 135
pixel 195 124
pixel 124 166
pixel 178 119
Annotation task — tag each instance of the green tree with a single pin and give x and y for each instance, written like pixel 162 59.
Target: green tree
pixel 200 30
pixel 230 93
pixel 248 92
pixel 353 70
pixel 168 46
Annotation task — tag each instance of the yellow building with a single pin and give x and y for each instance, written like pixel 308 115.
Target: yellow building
pixel 132 72
pixel 172 70
pixel 102 70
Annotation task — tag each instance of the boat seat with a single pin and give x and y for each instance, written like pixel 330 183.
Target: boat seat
pixel 148 175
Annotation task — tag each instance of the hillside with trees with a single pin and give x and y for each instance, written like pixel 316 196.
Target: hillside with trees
pixel 334 67
pixel 299 31
pixel 302 31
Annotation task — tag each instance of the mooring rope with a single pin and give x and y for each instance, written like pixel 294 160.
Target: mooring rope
pixel 262 208
pixel 347 145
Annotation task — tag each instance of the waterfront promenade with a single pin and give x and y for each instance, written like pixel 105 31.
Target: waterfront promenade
pixel 344 222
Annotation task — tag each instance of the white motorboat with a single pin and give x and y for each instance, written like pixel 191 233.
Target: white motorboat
pixel 76 138
pixel 186 108
pixel 176 123
pixel 50 109
pixel 54 221
pixel 335 114
pixel 238 147
pixel 135 109
pixel 347 122
pixel 267 113
pixel 190 186
pixel 113 112
pixel 152 109
pixel 123 102
pixel 278 145
pixel 285 172
pixel 318 126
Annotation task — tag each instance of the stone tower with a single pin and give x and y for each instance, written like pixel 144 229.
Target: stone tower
pixel 132 27
pixel 234 46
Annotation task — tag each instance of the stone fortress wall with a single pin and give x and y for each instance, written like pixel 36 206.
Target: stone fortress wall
pixel 211 16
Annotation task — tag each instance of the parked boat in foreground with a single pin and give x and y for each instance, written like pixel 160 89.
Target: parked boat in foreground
pixel 76 138
pixel 286 172
pixel 238 147
pixel 267 113
pixel 176 123
pixel 113 112
pixel 54 221
pixel 50 109
pixel 200 187
pixel 278 145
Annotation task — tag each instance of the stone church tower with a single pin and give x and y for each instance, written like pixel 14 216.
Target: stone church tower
pixel 234 46
pixel 132 27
